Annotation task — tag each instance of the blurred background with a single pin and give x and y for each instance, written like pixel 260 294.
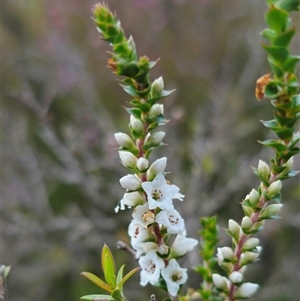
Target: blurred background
pixel 61 107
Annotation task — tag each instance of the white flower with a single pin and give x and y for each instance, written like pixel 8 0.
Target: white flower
pixel 174 275
pixel 172 220
pixel 246 290
pixel 138 236
pixel 142 216
pixel 182 245
pixel 151 266
pixel 160 194
pixel 130 182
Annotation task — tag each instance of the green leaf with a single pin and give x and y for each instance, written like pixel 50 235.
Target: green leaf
pixel 269 34
pixel 291 63
pixel 279 54
pixel 117 294
pixel 274 65
pixel 108 266
pixel 97 297
pixel 164 93
pixel 120 275
pixel 270 124
pixel 127 276
pixel 277 19
pixel 272 90
pixel 283 40
pixel 137 113
pixel 130 90
pixel 145 107
pixel 287 5
pixel 275 144
pixel 97 281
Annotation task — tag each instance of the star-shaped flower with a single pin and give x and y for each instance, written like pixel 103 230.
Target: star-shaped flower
pixel 151 266
pixel 142 216
pixel 172 220
pixel 174 275
pixel 160 193
pixel 182 245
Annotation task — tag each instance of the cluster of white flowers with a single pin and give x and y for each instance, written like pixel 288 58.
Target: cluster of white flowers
pixel 154 219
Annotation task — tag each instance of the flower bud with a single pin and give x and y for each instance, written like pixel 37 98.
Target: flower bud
pixel 254 198
pixel 247 258
pixel 128 159
pixel 246 224
pixel 157 87
pixel 124 140
pixel 133 199
pixel 251 243
pixel 155 138
pixel 234 229
pixel 130 182
pixel 236 277
pixel 142 164
pixel 274 188
pixel 246 290
pixel 157 166
pixel 136 125
pixel 227 253
pixel 263 169
pixel 270 211
pixel 156 110
pixel 247 210
pixel 220 282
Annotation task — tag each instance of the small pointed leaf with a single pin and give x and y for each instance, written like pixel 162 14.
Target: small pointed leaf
pixel 108 266
pixel 97 281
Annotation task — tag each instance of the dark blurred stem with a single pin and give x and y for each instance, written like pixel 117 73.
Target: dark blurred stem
pixel 121 245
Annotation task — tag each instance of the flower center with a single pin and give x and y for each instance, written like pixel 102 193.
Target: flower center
pixel 176 277
pixel 157 194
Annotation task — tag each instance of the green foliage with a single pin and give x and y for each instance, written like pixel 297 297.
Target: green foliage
pixel 209 239
pixel 114 284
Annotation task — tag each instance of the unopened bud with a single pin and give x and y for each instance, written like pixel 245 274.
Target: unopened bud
pixel 263 169
pixel 250 244
pixel 246 290
pixel 136 125
pixel 156 167
pixel 246 224
pixel 124 140
pixel 155 138
pixel 128 159
pixel 236 277
pixel 157 87
pixel 156 110
pixel 254 198
pixel 274 188
pixel 227 253
pixel 234 229
pixel 133 199
pixel 270 211
pixel 142 164
pixel 247 258
pixel 220 282
pixel 130 182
